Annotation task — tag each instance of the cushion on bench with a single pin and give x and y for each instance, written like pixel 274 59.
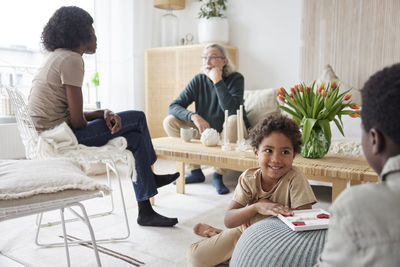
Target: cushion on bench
pixel 25 178
pixel 259 103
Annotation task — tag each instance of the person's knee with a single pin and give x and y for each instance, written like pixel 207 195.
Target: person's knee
pixel 140 114
pixel 171 125
pixel 193 256
pixel 132 114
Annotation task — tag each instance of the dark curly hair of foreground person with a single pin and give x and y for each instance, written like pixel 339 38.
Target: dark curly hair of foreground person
pixel 279 123
pixel 380 102
pixel 67 28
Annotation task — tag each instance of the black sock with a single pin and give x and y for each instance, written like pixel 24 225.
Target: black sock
pixel 165 179
pixel 148 217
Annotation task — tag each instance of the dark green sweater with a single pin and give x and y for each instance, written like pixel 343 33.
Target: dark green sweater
pixel 211 100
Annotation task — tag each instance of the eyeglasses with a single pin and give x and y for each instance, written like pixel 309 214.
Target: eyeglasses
pixel 212 59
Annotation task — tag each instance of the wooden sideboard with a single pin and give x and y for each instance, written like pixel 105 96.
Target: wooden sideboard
pixel 168 70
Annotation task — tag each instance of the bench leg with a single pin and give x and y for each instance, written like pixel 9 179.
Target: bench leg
pixel 338 185
pixel 354 182
pixel 180 182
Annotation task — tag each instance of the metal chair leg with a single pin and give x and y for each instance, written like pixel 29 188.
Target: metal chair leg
pixel 87 222
pixel 100 214
pixel 65 237
pixel 110 167
pixel 114 169
pixel 85 219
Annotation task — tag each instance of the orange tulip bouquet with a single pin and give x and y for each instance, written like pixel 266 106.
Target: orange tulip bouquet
pixel 313 107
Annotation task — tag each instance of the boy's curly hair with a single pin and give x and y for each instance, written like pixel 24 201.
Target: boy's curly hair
pixel 380 102
pixel 279 123
pixel 67 28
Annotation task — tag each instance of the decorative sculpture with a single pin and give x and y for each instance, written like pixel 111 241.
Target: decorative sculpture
pixel 209 137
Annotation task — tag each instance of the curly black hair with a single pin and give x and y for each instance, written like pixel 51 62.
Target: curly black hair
pixel 381 102
pixel 279 123
pixel 67 28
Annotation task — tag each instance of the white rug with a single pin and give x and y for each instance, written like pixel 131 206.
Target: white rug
pixel 155 246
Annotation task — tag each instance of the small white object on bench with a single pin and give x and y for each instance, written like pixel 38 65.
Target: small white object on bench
pixel 209 137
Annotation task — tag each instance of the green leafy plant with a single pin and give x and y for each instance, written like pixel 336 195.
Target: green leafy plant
pixel 95 79
pixel 312 106
pixel 212 8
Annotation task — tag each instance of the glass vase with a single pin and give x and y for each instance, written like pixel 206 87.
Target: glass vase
pixel 316 146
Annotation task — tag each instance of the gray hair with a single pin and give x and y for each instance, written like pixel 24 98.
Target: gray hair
pixel 229 68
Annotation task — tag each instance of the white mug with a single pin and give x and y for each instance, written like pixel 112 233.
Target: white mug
pixel 188 133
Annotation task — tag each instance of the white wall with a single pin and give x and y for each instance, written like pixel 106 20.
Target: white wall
pixel 266 33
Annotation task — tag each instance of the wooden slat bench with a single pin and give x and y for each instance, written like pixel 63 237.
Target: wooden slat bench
pixel 337 169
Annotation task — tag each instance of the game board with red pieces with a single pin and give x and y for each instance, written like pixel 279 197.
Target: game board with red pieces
pixel 298 223
pixel 303 220
pixel 323 216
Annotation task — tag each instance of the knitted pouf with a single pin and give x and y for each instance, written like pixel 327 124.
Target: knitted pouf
pixel 272 243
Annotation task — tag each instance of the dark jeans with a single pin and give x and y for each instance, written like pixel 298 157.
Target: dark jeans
pixel 134 129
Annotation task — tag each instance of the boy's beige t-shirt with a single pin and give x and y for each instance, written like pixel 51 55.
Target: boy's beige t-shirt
pixel 293 190
pixel 47 102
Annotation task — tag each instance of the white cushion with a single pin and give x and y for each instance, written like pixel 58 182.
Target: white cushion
pixel 328 75
pixel 259 103
pixel 25 178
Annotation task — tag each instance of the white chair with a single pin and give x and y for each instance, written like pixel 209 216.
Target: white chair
pixel 15 208
pixel 30 139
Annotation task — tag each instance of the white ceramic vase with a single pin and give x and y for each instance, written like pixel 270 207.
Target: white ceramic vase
pixel 169 30
pixel 214 29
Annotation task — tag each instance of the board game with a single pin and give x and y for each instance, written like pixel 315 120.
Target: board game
pixel 305 220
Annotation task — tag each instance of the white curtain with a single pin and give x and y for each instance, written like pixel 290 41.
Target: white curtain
pixel 123 34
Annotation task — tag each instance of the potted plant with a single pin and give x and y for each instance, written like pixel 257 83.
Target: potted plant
pixel 313 107
pixel 213 25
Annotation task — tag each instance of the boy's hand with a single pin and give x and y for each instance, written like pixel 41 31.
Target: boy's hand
pixel 266 207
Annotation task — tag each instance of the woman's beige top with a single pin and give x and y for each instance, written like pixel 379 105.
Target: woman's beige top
pixel 47 102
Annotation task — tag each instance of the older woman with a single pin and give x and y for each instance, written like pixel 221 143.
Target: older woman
pixel 56 96
pixel 216 89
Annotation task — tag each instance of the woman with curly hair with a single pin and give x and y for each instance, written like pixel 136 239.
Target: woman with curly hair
pixel 56 97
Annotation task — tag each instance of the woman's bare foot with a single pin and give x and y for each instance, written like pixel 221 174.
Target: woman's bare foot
pixel 205 230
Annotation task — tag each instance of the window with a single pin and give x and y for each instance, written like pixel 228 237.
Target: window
pixel 21 53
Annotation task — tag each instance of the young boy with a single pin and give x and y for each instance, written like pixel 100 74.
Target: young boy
pixel 275 187
pixel 364 227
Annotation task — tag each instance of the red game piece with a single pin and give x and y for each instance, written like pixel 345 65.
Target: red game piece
pixel 323 216
pixel 299 223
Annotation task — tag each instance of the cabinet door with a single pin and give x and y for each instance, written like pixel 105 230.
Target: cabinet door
pixel 160 87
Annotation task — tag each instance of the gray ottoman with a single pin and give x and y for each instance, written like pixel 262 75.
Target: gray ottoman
pixel 271 243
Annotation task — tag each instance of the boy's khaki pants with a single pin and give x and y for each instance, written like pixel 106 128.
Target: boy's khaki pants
pixel 173 125
pixel 214 250
pixel 219 248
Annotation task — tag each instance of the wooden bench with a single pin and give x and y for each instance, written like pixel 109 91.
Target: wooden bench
pixel 337 169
